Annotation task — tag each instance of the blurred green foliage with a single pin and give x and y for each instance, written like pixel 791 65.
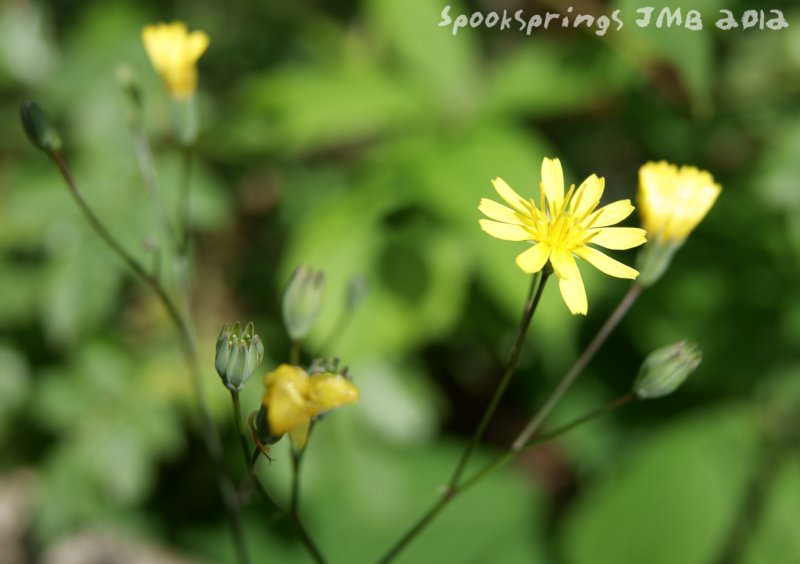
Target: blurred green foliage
pixel 358 137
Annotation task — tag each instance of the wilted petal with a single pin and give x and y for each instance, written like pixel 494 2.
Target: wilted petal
pixel 327 391
pixel 285 398
pixel 299 434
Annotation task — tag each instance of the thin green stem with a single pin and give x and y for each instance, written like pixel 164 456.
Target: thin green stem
pixel 510 454
pixel 237 419
pixel 535 291
pixel 419 526
pixel 147 168
pixel 534 295
pixel 294 500
pixel 294 353
pixel 577 368
pixel 210 436
pixel 337 332
pixel 292 514
pixel 497 462
pixel 184 192
pixel 297 462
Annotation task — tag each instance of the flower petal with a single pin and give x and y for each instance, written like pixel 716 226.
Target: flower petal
pixel 505 231
pixel 574 293
pixel 534 259
pixel 327 391
pixel 610 214
pixel 563 263
pixel 196 44
pixel 588 196
pixel 493 210
pixel 606 264
pixel 509 195
pixel 553 182
pixel 285 399
pixel 299 434
pixel 619 238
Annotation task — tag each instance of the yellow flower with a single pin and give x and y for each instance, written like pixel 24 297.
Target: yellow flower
pixel 672 200
pixel 292 398
pixel 561 229
pixel 174 53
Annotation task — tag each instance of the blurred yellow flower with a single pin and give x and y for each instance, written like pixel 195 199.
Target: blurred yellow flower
pixel 672 200
pixel 174 53
pixel 292 398
pixel 561 229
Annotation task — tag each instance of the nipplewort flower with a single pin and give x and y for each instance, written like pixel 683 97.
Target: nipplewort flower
pixel 293 398
pixel 672 201
pixel 561 229
pixel 174 53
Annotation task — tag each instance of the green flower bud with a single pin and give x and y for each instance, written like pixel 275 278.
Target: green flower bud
pixel 38 128
pixel 238 355
pixel 301 301
pixel 356 292
pixel 131 93
pixel 665 369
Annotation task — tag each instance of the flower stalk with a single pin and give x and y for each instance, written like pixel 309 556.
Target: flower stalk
pixel 534 295
pixel 569 378
pixel 499 461
pixel 210 437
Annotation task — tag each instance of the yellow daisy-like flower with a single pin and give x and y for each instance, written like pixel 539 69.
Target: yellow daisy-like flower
pixel 174 53
pixel 672 200
pixel 561 229
pixel 292 398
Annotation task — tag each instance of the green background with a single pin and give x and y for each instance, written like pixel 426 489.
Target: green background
pixel 358 137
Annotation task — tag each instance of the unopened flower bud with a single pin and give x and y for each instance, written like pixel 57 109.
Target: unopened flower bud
pixel 301 301
pixel 38 128
pixel 665 369
pixel 238 355
pixel 131 93
pixel 356 292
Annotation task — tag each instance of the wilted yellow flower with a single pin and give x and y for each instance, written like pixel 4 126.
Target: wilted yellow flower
pixel 672 200
pixel 561 229
pixel 292 398
pixel 174 53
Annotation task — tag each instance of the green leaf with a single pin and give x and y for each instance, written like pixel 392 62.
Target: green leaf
pixel 443 66
pixel 689 52
pixel 14 385
pixel 673 499
pixel 302 109
pixel 775 538
pixel 546 80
